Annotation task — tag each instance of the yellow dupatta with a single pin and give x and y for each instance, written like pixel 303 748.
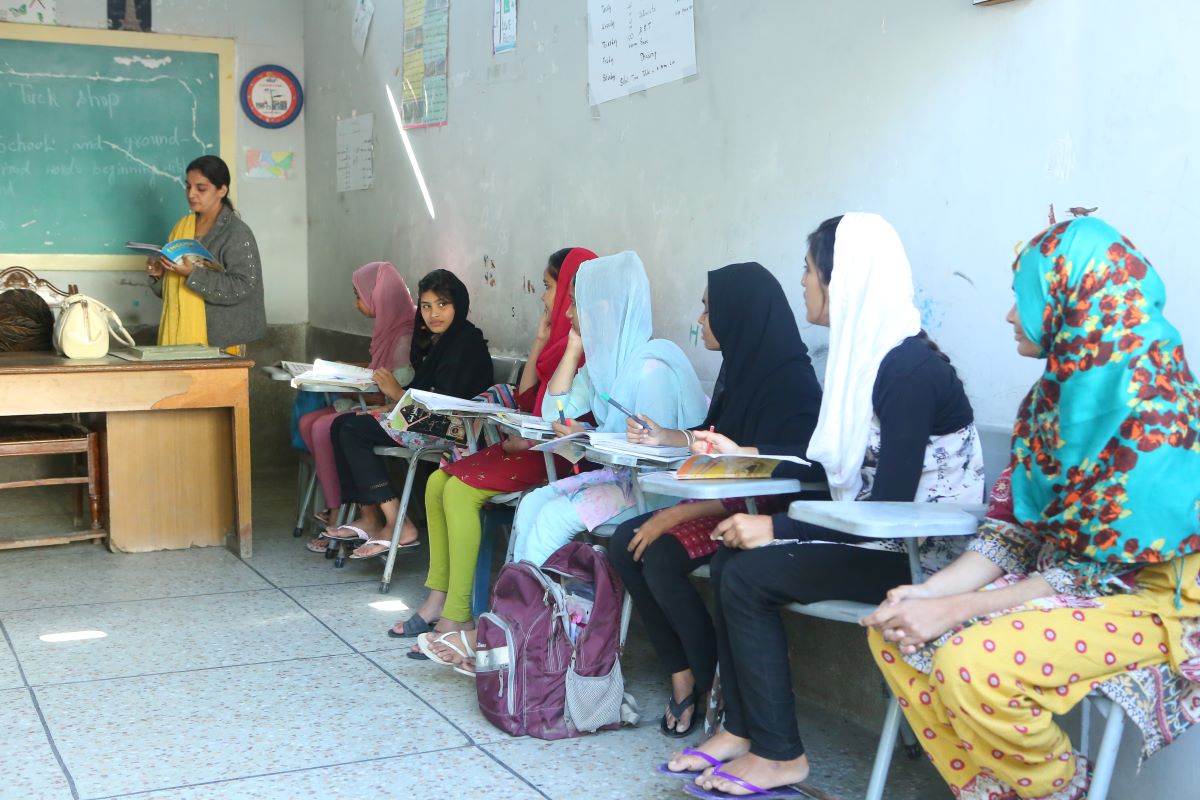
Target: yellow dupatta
pixel 183 315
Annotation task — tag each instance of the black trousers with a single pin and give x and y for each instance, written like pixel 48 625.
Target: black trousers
pixel 750 587
pixel 676 620
pixel 362 475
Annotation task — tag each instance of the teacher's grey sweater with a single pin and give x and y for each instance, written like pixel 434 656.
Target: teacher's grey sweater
pixel 233 299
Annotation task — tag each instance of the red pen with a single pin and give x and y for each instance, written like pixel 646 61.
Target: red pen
pixel 708 450
pixel 569 422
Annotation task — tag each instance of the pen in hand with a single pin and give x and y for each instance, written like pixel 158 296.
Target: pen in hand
pixel 562 418
pixel 708 450
pixel 625 411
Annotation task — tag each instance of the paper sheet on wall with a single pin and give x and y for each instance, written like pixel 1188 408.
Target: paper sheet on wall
pixel 364 10
pixel 355 155
pixel 39 12
pixel 269 163
pixel 504 26
pixel 637 44
pixel 426 43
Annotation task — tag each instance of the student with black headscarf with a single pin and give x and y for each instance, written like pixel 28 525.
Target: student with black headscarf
pixel 449 356
pixel 766 396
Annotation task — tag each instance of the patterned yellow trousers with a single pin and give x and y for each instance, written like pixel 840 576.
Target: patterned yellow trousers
pixel 985 713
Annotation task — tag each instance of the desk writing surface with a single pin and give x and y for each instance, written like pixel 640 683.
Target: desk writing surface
pixel 665 483
pixel 890 520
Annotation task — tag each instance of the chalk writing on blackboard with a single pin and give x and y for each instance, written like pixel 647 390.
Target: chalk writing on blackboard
pixel 638 44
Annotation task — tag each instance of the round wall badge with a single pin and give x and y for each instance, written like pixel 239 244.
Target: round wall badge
pixel 271 96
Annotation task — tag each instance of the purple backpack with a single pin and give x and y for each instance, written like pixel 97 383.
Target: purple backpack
pixel 547 660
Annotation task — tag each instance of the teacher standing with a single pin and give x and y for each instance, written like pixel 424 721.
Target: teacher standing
pixel 218 304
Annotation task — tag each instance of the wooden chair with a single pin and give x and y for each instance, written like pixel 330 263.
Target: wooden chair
pixel 44 436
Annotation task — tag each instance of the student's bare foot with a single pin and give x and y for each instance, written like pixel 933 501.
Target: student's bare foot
pixel 722 746
pixel 359 528
pixel 757 771
pixel 441 650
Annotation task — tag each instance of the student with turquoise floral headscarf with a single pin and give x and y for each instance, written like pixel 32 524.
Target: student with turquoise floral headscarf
pixel 1086 573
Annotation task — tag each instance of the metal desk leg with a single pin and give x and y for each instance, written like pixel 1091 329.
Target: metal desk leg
pixel 385 585
pixel 914 561
pixel 751 506
pixel 639 497
pixel 551 472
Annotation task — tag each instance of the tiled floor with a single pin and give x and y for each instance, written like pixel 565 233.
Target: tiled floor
pixel 273 678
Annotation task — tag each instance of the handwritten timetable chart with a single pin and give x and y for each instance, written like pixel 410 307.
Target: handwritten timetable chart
pixel 637 44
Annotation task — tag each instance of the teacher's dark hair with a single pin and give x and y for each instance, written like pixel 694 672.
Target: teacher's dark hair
pixel 217 172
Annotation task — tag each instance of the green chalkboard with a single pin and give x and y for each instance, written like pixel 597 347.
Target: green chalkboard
pixel 94 140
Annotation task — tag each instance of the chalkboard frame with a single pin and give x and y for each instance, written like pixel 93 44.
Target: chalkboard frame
pixel 227 102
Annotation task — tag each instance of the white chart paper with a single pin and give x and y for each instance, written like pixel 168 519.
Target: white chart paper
pixel 637 44
pixel 355 154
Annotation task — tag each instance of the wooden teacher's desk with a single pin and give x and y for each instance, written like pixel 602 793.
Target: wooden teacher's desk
pixel 177 448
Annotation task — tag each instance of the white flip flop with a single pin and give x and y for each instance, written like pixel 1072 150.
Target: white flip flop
pixel 359 533
pixel 425 645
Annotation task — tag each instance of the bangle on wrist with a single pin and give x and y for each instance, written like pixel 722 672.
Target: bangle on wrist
pixel 691 439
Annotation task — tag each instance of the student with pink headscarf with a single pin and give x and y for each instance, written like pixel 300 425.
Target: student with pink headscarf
pixel 381 294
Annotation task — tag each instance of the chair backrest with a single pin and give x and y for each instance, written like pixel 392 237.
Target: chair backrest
pixel 997 447
pixel 21 278
pixel 507 369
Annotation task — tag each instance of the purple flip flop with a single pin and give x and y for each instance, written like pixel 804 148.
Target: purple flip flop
pixel 782 793
pixel 664 768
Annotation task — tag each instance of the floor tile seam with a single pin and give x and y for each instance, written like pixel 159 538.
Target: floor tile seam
pixel 191 670
pixel 6 611
pixel 37 707
pixel 142 792
pixel 482 748
pixel 417 695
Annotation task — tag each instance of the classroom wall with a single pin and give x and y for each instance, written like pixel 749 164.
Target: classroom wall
pixel 960 124
pixel 266 32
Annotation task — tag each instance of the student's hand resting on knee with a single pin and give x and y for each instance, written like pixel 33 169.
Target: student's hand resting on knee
pixel 745 531
pixel 651 529
pixel 913 622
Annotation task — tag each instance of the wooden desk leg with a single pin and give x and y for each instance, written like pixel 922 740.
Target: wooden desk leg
pixel 241 476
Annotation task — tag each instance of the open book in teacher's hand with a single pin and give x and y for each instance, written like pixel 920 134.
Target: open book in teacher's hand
pixel 177 249
pixel 733 465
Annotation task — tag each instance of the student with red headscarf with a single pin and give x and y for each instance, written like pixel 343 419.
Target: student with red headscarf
pixel 455 494
pixel 381 294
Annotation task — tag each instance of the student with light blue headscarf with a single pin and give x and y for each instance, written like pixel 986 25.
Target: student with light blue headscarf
pixel 610 324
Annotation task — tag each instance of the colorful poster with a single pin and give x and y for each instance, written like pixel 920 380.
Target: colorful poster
pixel 355 154
pixel 269 163
pixel 504 26
pixel 426 44
pixel 129 15
pixel 364 11
pixel 39 12
pixel 638 44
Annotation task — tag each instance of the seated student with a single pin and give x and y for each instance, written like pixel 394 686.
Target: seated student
pixel 381 294
pixel 894 424
pixel 610 322
pixel 767 395
pixel 455 494
pixel 1086 573
pixel 450 357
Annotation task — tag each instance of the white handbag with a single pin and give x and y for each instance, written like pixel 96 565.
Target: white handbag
pixel 83 327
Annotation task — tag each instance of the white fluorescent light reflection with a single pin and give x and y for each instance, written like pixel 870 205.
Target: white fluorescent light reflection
pixel 389 605
pixel 72 636
pixel 412 157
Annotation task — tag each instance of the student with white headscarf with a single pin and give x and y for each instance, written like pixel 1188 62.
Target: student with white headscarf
pixel 895 424
pixel 611 324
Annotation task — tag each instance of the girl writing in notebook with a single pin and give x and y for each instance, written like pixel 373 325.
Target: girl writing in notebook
pixel 894 424
pixel 381 294
pixel 766 395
